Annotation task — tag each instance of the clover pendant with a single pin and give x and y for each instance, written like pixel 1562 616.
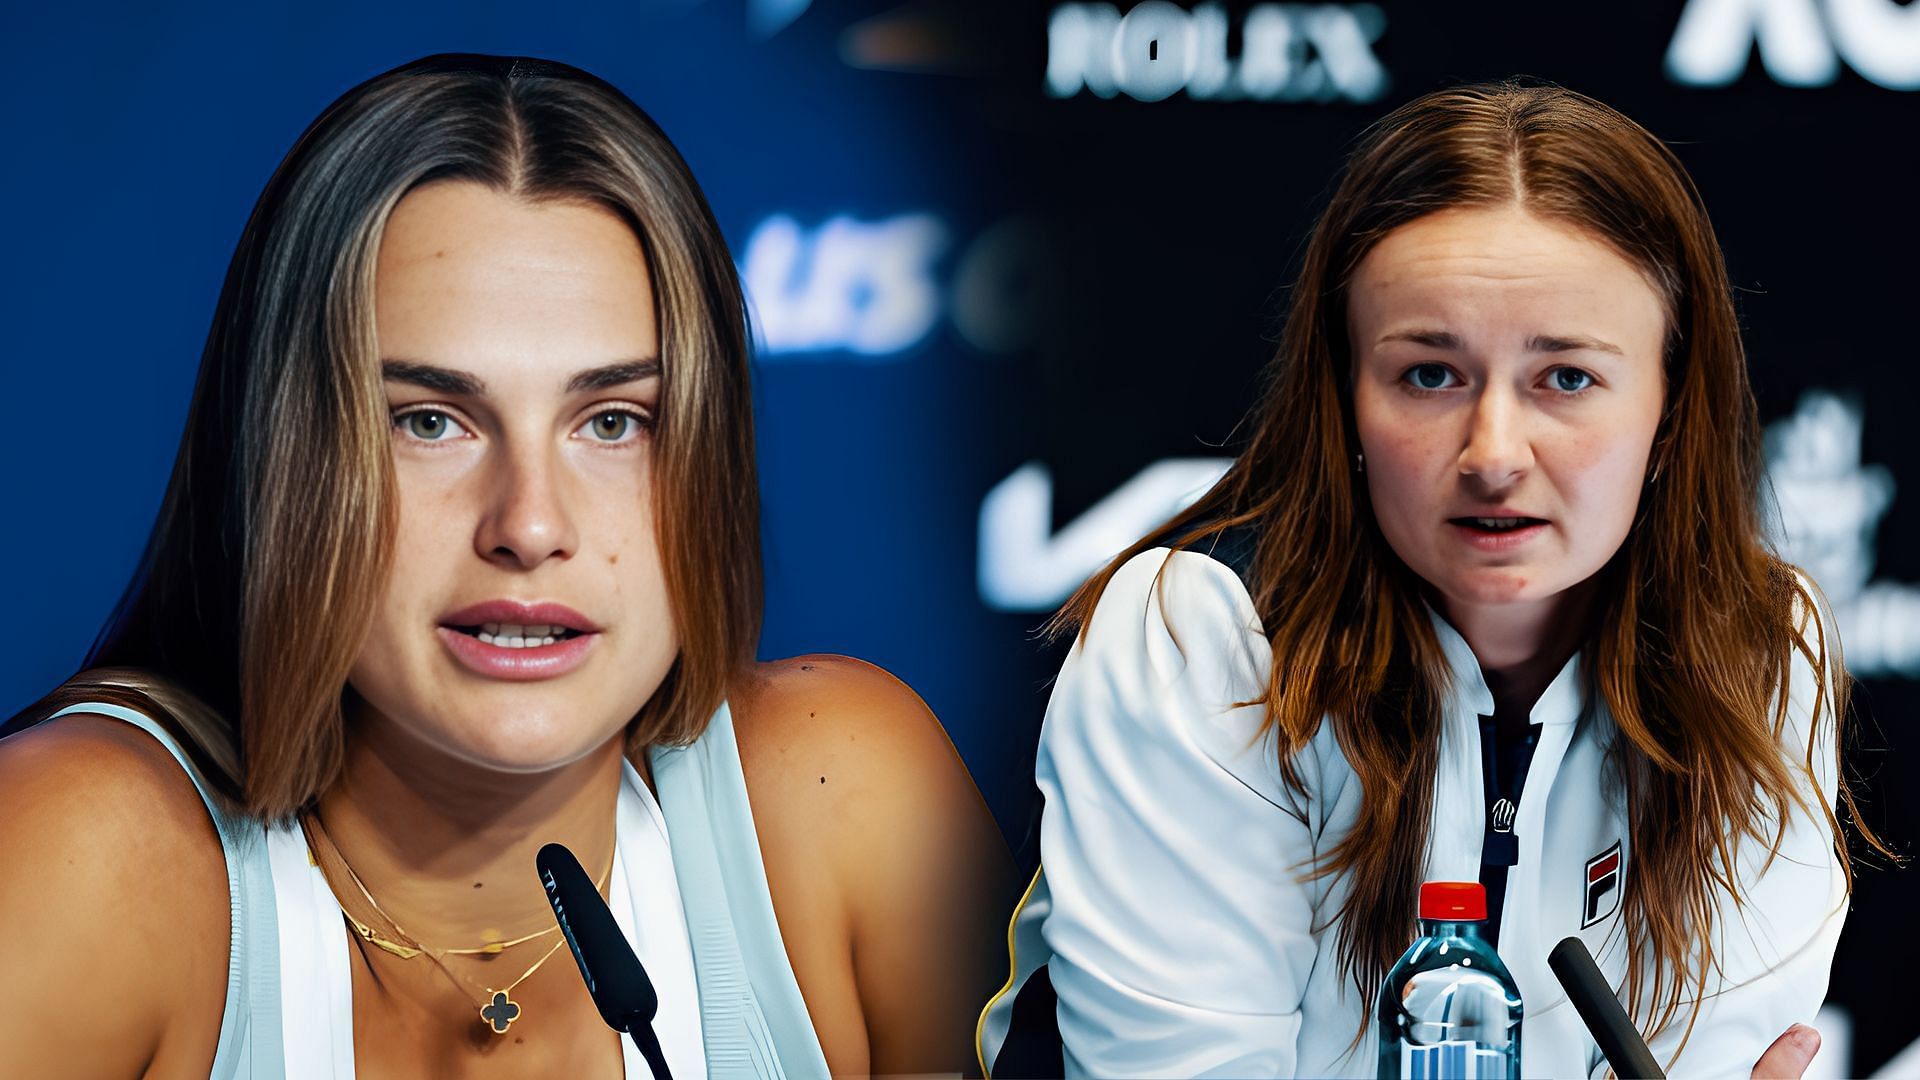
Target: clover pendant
pixel 500 1012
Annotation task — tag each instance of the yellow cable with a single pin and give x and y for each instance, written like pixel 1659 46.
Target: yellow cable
pixel 1013 971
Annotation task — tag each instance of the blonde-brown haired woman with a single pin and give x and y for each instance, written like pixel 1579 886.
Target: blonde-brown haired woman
pixel 459 558
pixel 1486 598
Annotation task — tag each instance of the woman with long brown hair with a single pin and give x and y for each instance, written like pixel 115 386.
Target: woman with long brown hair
pixel 460 557
pixel 1485 598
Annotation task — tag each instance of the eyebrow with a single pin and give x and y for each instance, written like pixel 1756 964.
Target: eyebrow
pixel 466 384
pixel 1538 343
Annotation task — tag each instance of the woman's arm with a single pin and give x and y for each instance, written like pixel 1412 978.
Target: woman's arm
pixel 114 902
pixel 890 879
pixel 1181 936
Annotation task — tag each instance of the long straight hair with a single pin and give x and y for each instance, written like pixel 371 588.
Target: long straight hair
pixel 1696 626
pixel 275 537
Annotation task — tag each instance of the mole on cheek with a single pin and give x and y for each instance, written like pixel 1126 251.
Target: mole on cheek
pixel 613 559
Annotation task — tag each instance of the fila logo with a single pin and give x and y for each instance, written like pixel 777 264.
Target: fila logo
pixel 1603 886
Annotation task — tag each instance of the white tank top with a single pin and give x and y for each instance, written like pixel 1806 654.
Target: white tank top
pixel 697 912
pixel 316 986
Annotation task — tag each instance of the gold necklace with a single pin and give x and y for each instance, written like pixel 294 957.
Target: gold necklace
pixel 498 1010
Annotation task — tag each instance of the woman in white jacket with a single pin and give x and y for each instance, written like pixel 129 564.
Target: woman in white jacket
pixel 1485 598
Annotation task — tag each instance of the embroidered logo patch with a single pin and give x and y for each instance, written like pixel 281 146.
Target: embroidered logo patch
pixel 1603 886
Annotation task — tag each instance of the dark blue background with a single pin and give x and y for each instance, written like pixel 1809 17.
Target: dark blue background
pixel 139 140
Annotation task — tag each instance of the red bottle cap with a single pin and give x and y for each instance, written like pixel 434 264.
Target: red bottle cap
pixel 1453 901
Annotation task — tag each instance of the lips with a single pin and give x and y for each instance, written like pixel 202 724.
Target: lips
pixel 517 663
pixel 1479 516
pixel 518 640
pixel 519 613
pixel 1502 539
pixel 1497 522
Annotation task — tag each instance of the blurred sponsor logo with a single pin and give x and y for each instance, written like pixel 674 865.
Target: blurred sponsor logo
pixel 1288 52
pixel 861 286
pixel 1801 42
pixel 1027 566
pixel 1829 507
pixel 874 290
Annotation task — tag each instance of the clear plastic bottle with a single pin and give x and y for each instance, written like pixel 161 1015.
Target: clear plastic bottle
pixel 1449 1009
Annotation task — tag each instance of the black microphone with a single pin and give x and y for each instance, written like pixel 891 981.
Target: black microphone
pixel 619 984
pixel 1593 999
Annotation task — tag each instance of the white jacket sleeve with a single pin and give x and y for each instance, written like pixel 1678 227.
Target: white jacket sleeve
pixel 1181 941
pixel 1777 948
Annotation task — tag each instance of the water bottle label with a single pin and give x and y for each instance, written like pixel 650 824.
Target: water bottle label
pixel 1454 1059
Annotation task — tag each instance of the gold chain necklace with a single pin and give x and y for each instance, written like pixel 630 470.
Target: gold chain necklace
pixel 498 1010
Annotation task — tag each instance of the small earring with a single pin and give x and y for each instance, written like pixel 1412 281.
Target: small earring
pixel 1359 463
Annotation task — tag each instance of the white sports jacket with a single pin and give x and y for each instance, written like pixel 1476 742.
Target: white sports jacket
pixel 1169 932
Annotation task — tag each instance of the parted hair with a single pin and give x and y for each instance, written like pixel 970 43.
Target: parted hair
pixel 275 536
pixel 1692 642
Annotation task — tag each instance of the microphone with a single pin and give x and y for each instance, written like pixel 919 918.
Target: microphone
pixel 619 984
pixel 1601 1011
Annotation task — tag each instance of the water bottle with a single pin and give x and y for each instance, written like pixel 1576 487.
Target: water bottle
pixel 1449 1009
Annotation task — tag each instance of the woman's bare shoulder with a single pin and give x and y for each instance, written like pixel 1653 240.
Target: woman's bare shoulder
pixel 106 799
pixel 829 720
pixel 845 762
pixel 889 876
pixel 113 891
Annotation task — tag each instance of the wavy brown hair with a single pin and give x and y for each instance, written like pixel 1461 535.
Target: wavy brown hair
pixel 282 497
pixel 1696 625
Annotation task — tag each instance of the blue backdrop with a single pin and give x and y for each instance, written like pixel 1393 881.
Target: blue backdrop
pixel 140 139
